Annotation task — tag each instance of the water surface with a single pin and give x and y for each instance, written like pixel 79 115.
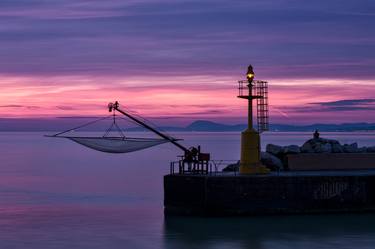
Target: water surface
pixel 57 194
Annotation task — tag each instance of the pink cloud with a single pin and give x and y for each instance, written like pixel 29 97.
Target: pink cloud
pixel 181 98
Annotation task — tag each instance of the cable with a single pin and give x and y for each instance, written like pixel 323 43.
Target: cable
pixel 149 122
pixel 78 127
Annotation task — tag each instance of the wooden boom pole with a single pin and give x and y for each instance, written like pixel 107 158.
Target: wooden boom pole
pixel 115 106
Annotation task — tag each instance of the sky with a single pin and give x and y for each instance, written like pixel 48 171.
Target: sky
pixel 179 61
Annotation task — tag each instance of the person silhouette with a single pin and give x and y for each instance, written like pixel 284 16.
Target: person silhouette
pixel 316 134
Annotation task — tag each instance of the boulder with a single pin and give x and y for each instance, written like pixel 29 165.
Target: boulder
pixel 307 147
pixel 322 141
pixel 362 150
pixel 323 148
pixel 332 141
pixel 316 145
pixel 267 159
pixel 350 148
pixel 274 149
pixel 337 148
pixel 292 149
pixel 271 161
pixel 321 145
pixel 232 167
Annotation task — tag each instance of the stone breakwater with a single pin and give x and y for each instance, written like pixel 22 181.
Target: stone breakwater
pixel 276 157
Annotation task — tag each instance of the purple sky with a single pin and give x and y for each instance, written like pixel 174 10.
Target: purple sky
pixel 282 38
pixel 47 47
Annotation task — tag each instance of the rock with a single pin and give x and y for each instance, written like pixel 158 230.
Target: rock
pixel 332 142
pixel 292 149
pixel 362 150
pixel 267 159
pixel 350 148
pixel 337 148
pixel 274 149
pixel 307 147
pixel 322 141
pixel 271 161
pixel 316 145
pixel 326 148
pixel 323 148
pixel 321 145
pixel 232 167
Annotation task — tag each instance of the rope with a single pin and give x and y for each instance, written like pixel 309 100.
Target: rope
pixel 78 127
pixel 147 121
pixel 114 125
pixel 108 130
pixel 120 131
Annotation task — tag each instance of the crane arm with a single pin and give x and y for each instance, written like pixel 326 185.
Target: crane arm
pixel 115 106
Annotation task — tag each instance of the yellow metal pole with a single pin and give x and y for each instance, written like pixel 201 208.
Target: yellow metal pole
pixel 250 106
pixel 250 142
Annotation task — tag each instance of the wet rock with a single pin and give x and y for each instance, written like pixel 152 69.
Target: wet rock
pixel 337 148
pixel 292 149
pixel 232 167
pixel 333 142
pixel 316 145
pixel 274 149
pixel 371 149
pixel 362 150
pixel 323 148
pixel 271 161
pixel 307 147
pixel 350 148
pixel 321 145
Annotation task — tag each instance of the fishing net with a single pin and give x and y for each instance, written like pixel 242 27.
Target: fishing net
pixel 116 144
pixel 113 140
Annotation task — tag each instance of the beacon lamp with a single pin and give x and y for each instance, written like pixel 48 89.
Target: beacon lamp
pixel 250 74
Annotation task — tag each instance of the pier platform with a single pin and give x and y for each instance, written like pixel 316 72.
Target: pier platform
pixel 228 194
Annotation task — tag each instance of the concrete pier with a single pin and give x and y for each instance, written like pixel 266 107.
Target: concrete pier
pixel 220 194
pixel 331 161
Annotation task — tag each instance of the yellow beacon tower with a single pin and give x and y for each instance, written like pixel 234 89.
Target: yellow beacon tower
pixel 250 139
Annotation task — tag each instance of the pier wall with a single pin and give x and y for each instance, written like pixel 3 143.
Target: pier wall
pixel 271 194
pixel 331 161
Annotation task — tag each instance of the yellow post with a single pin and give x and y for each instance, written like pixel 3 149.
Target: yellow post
pixel 250 140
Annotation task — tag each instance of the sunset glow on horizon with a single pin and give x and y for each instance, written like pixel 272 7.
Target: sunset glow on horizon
pixel 182 99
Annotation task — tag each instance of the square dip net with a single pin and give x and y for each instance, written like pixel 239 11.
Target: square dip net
pixel 114 139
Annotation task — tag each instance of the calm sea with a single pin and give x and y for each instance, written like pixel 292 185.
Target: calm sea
pixel 57 194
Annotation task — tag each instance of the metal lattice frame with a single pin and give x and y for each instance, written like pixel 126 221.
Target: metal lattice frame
pixel 260 93
pixel 261 88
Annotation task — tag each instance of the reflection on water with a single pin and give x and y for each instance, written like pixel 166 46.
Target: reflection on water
pixel 299 231
pixel 57 194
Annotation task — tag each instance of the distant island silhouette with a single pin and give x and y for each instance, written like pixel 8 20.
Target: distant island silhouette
pixel 57 124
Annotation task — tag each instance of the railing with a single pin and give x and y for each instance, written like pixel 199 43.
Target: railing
pixel 243 89
pixel 212 167
pixel 259 86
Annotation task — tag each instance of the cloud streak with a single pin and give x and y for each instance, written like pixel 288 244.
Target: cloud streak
pixel 344 105
pixel 346 102
pixel 153 37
